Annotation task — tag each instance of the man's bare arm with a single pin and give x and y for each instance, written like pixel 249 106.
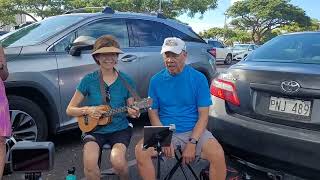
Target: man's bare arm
pixel 154 117
pixel 201 125
pixel 4 73
pixel 3 63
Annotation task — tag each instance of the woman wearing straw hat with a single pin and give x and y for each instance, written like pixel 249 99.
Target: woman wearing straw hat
pixel 105 53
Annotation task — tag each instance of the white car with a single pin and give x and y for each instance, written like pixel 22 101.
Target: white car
pixel 220 51
pixel 241 51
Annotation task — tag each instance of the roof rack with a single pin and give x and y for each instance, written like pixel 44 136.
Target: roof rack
pixel 106 10
pixel 161 15
pixel 158 14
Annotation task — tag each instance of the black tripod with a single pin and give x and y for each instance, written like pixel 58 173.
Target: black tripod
pixel 157 137
pixel 159 152
pixel 179 164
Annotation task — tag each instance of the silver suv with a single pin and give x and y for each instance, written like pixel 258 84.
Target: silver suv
pixel 46 65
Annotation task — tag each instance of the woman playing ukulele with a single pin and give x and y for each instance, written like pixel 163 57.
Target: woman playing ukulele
pixel 105 53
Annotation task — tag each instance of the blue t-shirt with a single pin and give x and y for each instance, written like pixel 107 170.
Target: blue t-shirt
pixel 178 97
pixel 89 86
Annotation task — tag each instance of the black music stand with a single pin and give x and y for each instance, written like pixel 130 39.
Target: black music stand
pixel 157 137
pixel 179 164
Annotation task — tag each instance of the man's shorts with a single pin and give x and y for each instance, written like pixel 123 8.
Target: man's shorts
pixel 122 136
pixel 181 139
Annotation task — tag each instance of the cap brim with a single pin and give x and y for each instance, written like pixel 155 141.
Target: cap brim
pixel 170 49
pixel 107 50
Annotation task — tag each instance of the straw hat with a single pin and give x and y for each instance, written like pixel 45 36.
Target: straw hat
pixel 106 44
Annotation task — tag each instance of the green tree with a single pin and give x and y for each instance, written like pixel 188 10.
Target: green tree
pixel 217 33
pixel 295 27
pixel 6 15
pixel 46 8
pixel 170 8
pixel 229 35
pixel 262 16
pixel 241 36
pixel 31 8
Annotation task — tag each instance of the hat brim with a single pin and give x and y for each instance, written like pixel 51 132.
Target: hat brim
pixel 170 49
pixel 104 50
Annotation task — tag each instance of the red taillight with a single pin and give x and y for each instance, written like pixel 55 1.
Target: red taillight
pixel 225 90
pixel 213 52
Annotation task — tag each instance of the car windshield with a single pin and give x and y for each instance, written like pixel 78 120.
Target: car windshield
pixel 38 31
pixel 240 47
pixel 298 48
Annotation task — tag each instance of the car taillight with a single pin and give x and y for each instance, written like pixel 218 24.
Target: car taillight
pixel 225 90
pixel 213 52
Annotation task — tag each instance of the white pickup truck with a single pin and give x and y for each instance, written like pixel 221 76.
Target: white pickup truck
pixel 220 51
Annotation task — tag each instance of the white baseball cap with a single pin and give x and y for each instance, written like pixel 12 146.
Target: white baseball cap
pixel 173 44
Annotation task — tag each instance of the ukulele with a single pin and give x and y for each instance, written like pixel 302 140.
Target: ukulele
pixel 87 123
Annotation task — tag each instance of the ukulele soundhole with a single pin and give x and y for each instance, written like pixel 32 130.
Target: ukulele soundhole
pixel 86 120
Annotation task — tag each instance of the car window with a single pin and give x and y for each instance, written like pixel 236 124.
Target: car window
pixel 240 47
pixel 193 37
pixel 149 33
pixel 152 33
pixel 65 44
pixel 39 31
pixel 301 48
pixel 220 45
pixel 114 27
pixel 251 47
pixel 215 44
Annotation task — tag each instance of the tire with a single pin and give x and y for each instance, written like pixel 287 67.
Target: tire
pixel 20 109
pixel 228 59
pixel 26 107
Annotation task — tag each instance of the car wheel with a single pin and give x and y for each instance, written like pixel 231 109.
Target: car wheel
pixel 28 121
pixel 228 59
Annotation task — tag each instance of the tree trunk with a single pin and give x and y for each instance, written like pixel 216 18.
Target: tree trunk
pixel 258 40
pixel 253 37
pixel 27 14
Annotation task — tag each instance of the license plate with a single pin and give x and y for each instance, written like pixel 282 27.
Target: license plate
pixel 290 106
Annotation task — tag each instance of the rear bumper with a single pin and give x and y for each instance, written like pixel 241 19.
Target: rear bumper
pixel 288 145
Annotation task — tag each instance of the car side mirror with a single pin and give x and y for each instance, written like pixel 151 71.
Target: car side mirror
pixel 75 50
pixel 80 44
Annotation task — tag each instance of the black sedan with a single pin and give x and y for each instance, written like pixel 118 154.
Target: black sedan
pixel 266 109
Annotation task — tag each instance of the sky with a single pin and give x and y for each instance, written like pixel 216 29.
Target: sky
pixel 215 18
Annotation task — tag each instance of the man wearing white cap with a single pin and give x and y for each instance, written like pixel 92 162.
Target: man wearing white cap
pixel 181 96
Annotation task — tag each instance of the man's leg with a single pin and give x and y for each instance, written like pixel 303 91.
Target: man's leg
pixel 144 161
pixel 2 154
pixel 119 161
pixel 212 151
pixel 91 153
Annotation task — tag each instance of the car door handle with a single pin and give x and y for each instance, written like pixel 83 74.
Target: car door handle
pixel 128 58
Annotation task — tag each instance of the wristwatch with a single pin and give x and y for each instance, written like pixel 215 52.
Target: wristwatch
pixel 193 141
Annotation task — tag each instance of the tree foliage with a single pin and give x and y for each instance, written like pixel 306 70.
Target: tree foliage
pixel 6 15
pixel 228 35
pixel 170 8
pixel 218 33
pixel 262 16
pixel 46 8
